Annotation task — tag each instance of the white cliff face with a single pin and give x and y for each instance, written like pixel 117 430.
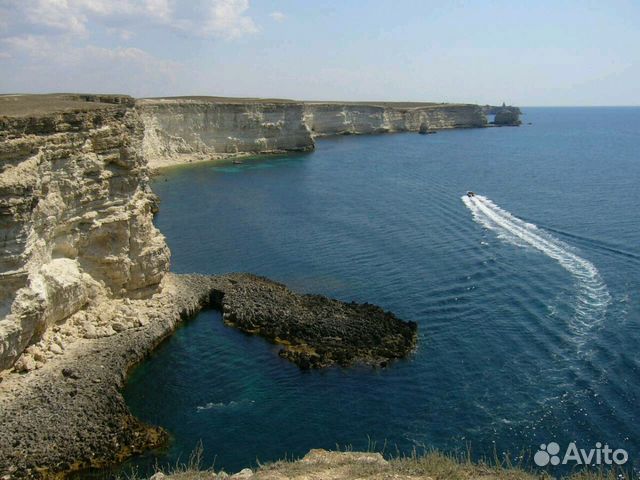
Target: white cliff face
pixel 76 217
pixel 182 130
pixel 360 118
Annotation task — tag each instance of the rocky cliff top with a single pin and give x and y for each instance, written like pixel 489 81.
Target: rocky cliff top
pixel 321 464
pixel 206 99
pixel 75 211
pixel 249 100
pixel 387 104
pixel 20 106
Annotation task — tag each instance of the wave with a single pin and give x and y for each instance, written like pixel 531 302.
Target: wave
pixel 592 295
pixel 217 405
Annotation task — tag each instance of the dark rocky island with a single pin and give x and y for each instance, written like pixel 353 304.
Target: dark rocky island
pixel 494 109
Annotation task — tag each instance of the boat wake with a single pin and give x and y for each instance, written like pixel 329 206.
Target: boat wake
pixel 592 297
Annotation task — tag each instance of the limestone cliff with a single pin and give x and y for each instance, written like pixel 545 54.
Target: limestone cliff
pixel 75 212
pixel 188 129
pixel 334 118
pixel 180 130
pixel 507 117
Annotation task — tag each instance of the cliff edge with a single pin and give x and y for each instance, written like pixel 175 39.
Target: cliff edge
pixel 336 465
pixel 75 212
pixel 335 118
pixel 190 129
pixel 182 130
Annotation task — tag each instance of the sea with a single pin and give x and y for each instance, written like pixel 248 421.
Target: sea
pixel 527 295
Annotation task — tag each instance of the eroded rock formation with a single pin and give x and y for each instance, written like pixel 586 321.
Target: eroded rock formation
pixel 75 210
pixel 507 117
pixel 69 413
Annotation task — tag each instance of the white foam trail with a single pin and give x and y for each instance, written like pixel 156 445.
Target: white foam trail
pixel 592 298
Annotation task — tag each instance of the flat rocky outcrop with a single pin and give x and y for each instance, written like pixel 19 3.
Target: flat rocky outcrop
pixel 61 408
pixel 315 331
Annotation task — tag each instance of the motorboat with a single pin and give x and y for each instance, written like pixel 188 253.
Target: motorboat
pixel 471 194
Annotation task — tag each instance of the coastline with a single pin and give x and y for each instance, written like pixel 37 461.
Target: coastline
pixel 228 159
pixel 96 297
pixel 218 262
pixel 70 400
pixel 69 414
pixel 181 130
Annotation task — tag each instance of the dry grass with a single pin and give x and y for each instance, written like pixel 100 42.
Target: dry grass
pixel 346 465
pixel 34 105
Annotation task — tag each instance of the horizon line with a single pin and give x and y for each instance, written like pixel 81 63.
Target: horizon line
pixel 325 100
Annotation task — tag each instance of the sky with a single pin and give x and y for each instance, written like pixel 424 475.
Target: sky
pixel 521 52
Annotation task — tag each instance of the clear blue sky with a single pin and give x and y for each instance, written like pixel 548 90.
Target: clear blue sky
pixel 522 52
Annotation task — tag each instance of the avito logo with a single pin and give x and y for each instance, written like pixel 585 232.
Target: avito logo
pixel 549 454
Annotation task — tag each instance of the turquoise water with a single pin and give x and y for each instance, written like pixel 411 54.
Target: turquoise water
pixel 527 298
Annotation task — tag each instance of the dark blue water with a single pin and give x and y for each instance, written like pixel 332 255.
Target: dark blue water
pixel 521 343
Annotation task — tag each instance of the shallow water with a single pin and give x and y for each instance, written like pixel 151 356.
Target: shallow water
pixel 527 297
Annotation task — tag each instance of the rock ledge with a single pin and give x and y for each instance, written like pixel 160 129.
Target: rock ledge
pixel 61 408
pixel 315 331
